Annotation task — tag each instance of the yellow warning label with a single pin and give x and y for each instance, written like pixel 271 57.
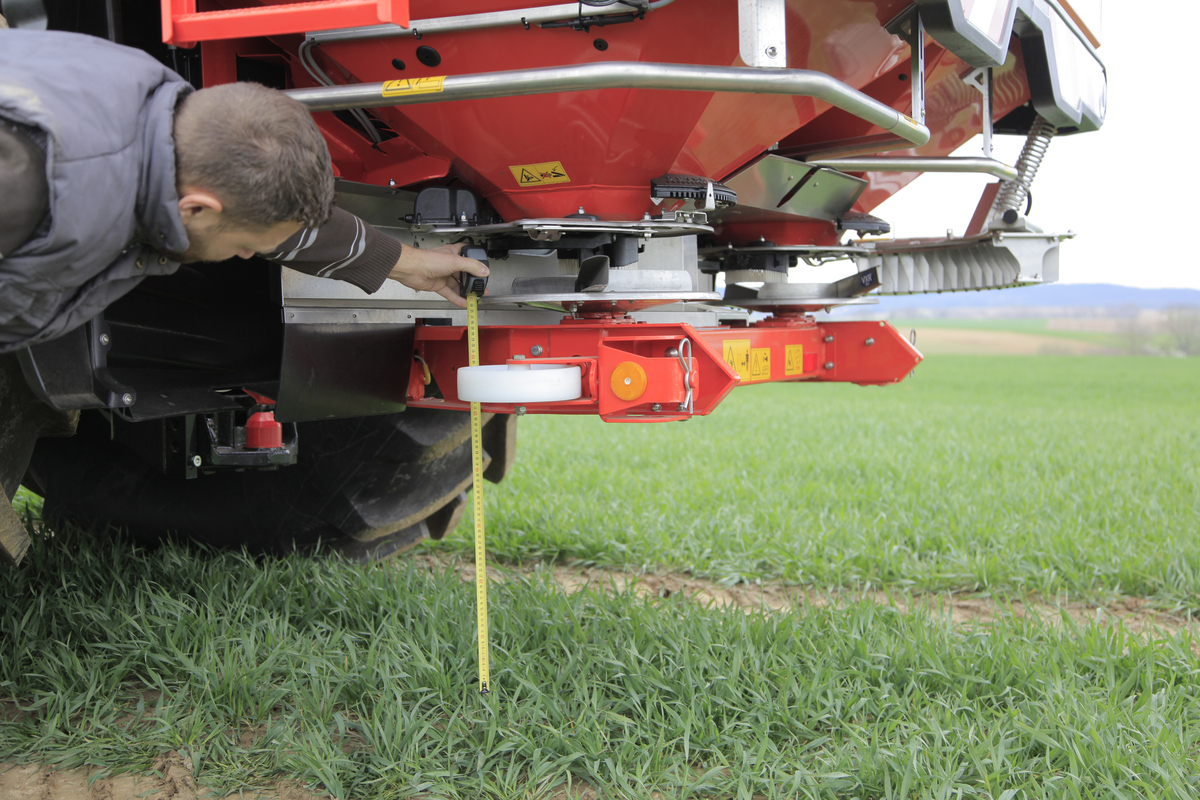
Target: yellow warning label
pixel 760 364
pixel 793 359
pixel 737 355
pixel 541 174
pixel 413 86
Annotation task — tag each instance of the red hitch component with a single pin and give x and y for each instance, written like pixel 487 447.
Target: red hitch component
pixel 656 373
pixel 675 387
pixel 262 430
pixel 797 348
pixel 183 26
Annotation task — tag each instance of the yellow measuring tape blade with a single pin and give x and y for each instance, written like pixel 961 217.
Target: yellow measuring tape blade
pixel 477 492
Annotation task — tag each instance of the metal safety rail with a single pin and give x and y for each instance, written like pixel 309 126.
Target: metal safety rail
pixel 616 75
pixel 975 165
pixel 537 15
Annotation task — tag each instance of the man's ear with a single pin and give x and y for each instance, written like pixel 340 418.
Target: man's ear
pixel 194 202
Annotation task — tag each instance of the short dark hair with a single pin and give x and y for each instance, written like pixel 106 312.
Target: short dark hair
pixel 258 151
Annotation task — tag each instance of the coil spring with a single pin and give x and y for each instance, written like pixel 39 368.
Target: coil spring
pixel 1013 193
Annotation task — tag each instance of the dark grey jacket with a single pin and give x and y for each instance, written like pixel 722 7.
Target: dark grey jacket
pixel 105 113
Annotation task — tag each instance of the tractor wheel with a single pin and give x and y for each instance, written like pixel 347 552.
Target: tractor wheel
pixel 367 487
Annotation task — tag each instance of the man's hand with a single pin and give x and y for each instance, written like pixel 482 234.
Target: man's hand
pixel 436 270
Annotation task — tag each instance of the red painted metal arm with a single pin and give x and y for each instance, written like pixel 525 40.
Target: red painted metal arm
pixel 183 25
pixel 777 349
pixel 866 352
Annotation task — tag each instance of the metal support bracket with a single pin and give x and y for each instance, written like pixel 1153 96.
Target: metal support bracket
pixel 980 78
pixel 762 32
pixel 222 443
pixel 911 30
pixel 71 371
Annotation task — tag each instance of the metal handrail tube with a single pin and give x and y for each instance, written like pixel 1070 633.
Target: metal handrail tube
pixel 982 166
pixel 471 22
pixel 626 75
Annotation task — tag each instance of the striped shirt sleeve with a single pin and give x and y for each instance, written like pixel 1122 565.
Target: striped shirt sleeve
pixel 345 248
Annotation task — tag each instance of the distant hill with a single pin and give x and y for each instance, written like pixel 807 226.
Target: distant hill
pixel 1078 296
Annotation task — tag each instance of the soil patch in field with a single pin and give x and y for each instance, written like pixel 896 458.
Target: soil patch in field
pixel 1139 616
pixel 171 780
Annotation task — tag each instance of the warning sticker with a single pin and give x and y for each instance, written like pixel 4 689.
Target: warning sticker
pixel 793 359
pixel 737 355
pixel 413 86
pixel 541 174
pixel 760 364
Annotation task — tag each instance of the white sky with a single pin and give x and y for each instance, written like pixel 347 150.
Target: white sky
pixel 1126 190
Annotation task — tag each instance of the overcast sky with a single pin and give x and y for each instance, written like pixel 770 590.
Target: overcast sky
pixel 1126 190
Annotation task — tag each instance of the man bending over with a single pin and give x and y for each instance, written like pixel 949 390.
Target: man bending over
pixel 112 168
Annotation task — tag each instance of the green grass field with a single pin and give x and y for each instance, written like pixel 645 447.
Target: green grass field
pixel 1019 477
pixel 1052 474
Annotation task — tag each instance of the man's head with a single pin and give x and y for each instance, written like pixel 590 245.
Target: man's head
pixel 251 169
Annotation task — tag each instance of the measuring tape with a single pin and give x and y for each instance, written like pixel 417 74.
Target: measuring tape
pixel 472 287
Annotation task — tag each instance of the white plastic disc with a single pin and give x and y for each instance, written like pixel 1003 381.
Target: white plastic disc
pixel 519 383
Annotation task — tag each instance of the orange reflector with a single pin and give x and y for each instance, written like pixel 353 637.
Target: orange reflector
pixel 628 380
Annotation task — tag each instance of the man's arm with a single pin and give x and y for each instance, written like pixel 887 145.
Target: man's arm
pixel 348 249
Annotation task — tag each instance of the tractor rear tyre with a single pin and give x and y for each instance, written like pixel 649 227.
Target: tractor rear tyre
pixel 366 487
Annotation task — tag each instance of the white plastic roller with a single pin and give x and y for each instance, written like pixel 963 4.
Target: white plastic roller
pixel 519 383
